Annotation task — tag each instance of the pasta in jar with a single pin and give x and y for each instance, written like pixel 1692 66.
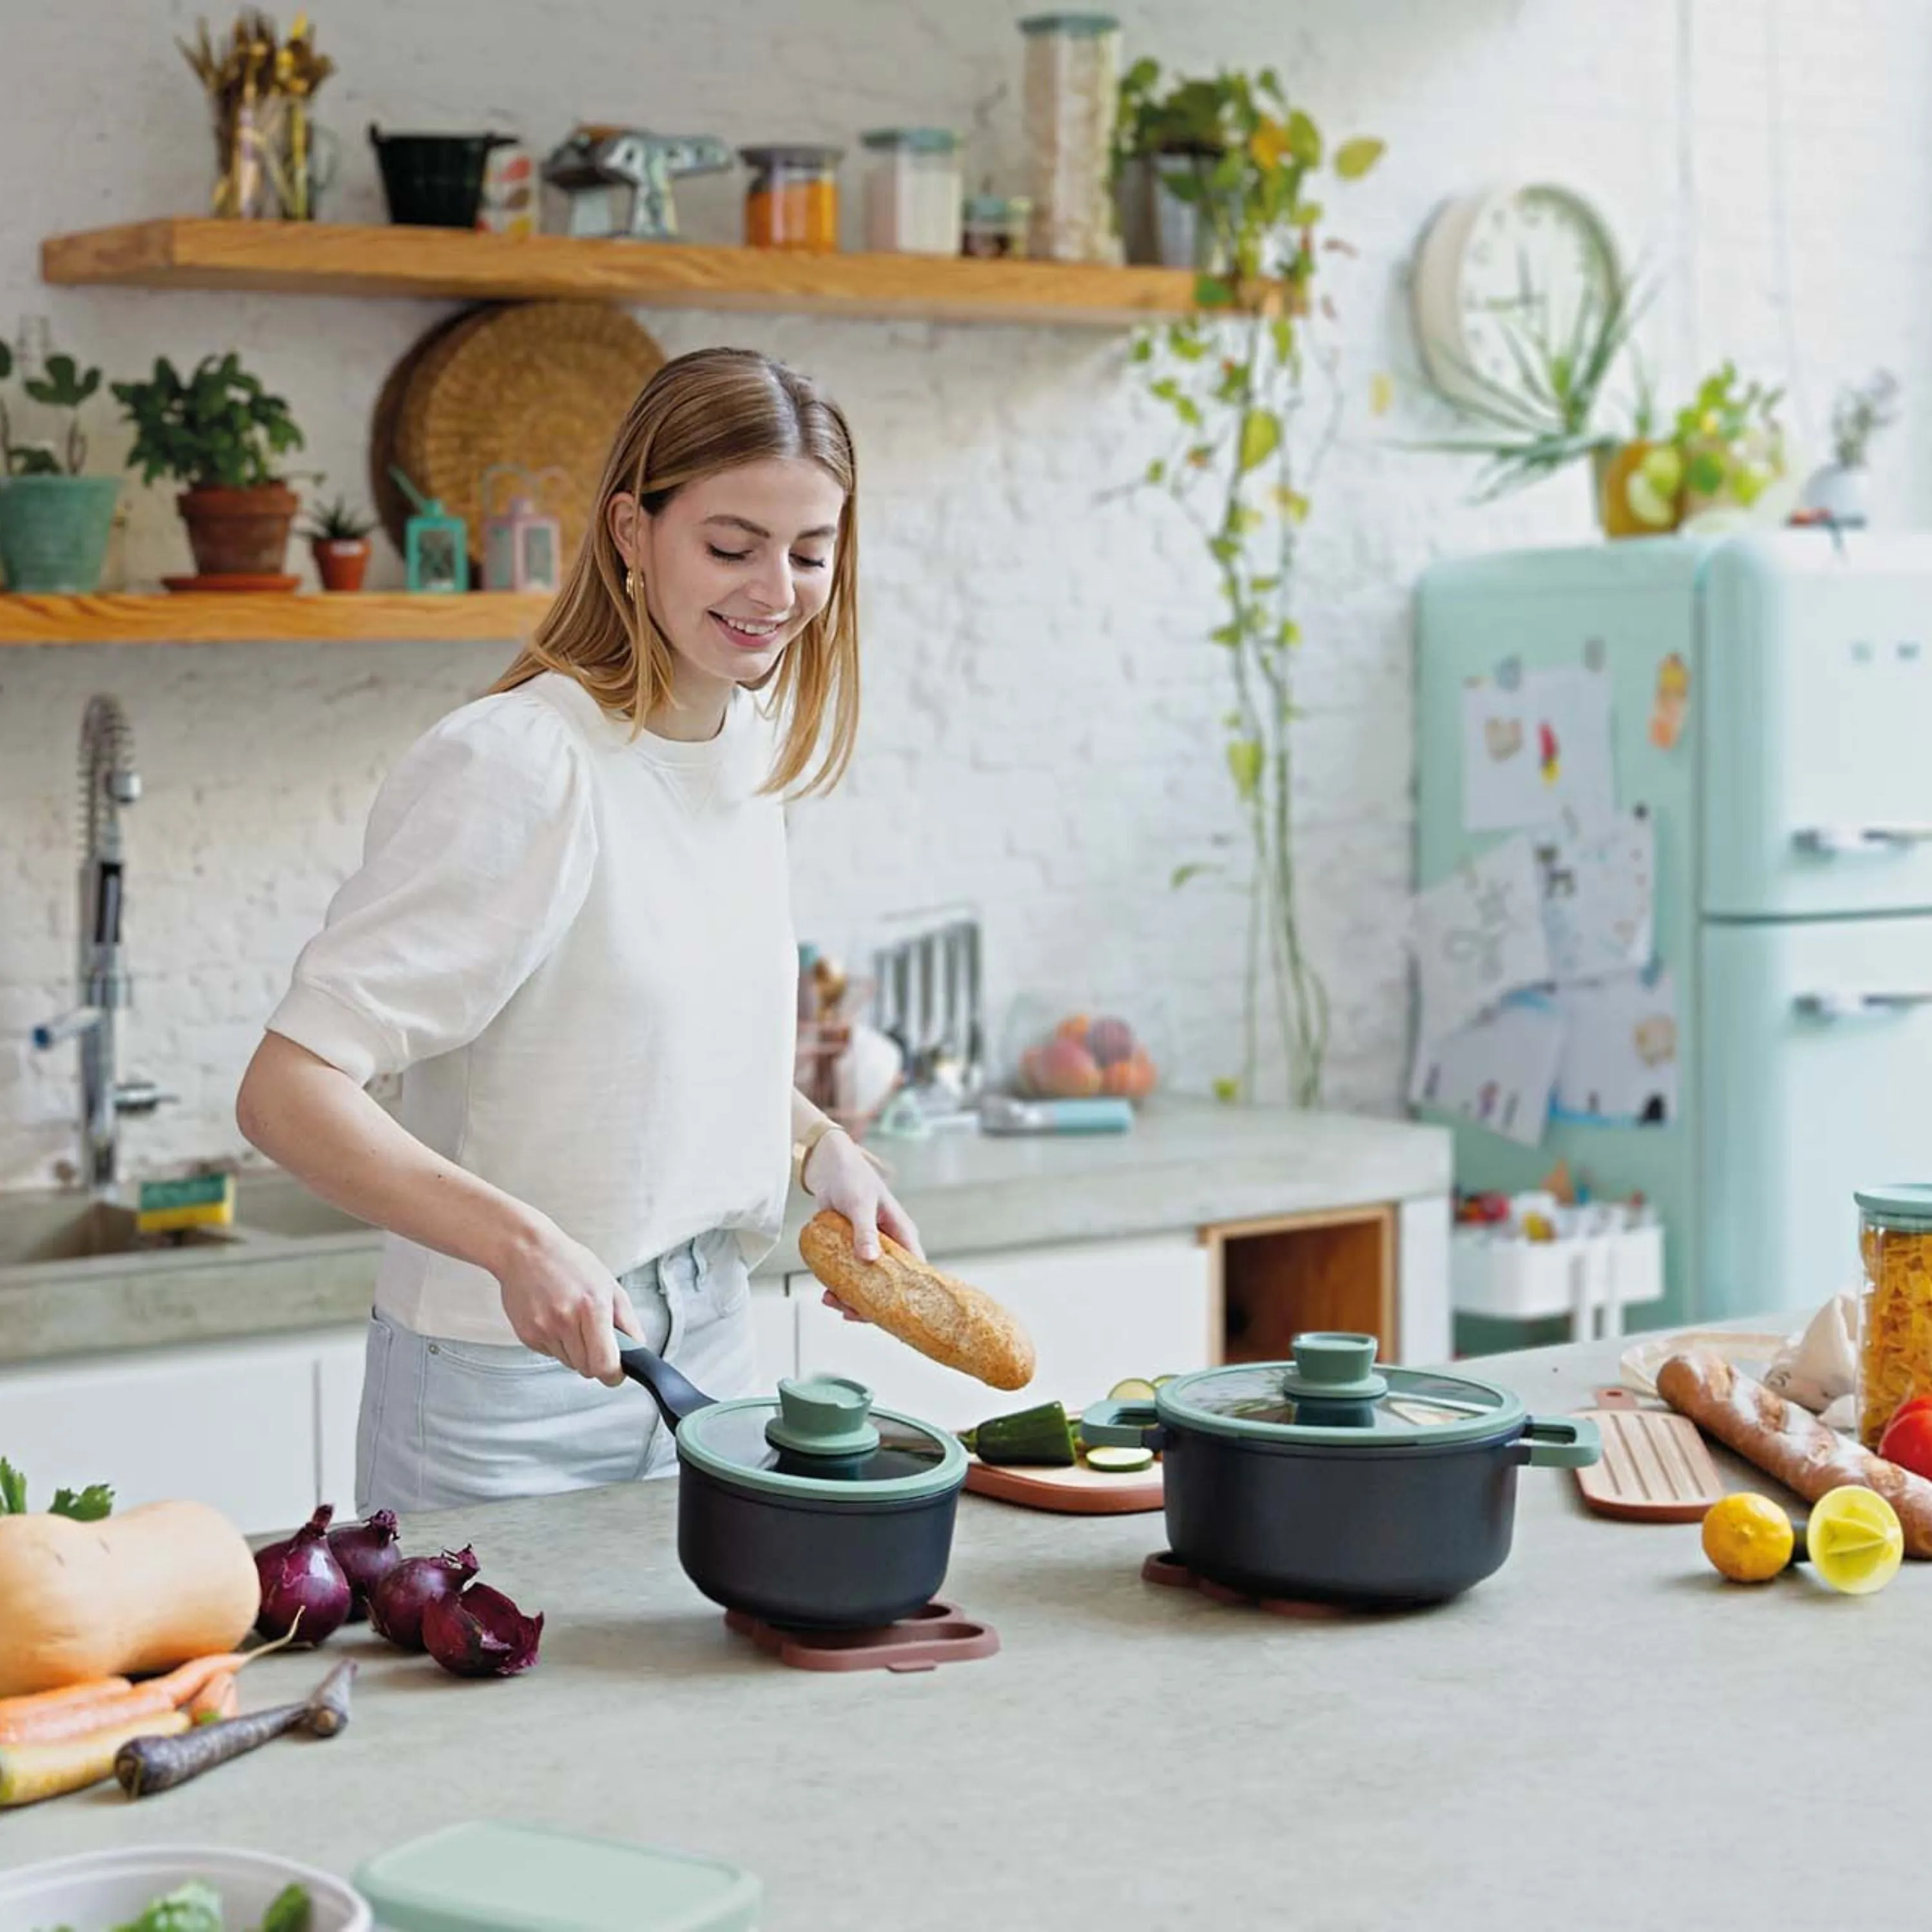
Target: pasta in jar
pixel 1895 1308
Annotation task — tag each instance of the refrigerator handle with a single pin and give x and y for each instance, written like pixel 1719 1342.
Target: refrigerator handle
pixel 1828 1008
pixel 1836 842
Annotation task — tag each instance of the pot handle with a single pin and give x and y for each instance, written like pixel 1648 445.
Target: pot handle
pixel 1560 1442
pixel 676 1397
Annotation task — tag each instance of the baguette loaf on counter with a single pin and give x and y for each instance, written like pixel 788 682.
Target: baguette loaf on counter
pixel 1789 1442
pixel 912 1300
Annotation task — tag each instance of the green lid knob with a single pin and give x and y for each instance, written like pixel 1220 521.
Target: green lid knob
pixel 826 1415
pixel 1335 1368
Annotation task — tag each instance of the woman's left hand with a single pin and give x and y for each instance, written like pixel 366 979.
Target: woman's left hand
pixel 839 1175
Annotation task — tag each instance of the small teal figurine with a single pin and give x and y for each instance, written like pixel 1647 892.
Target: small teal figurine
pixel 436 546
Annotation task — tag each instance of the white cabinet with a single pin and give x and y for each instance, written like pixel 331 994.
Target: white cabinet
pixel 231 1423
pixel 1098 1312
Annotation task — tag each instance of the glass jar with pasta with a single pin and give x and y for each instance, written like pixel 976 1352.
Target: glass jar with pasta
pixel 793 201
pixel 1895 1308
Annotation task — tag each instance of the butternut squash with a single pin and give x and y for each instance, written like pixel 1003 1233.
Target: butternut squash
pixel 135 1593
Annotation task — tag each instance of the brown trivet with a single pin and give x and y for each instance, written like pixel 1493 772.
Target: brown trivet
pixel 936 1635
pixel 1166 1569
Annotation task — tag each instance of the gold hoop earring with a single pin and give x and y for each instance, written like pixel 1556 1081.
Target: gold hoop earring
pixel 630 584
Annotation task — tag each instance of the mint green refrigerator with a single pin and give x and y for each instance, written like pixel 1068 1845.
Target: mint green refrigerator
pixel 1770 700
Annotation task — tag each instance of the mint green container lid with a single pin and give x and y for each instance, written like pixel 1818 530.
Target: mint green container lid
pixel 1075 26
pixel 1905 1206
pixel 488 1877
pixel 822 1440
pixel 1335 1395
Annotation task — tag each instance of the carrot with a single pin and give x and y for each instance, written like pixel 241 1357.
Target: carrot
pixel 96 1691
pixel 221 1697
pixel 54 1722
pixel 29 1772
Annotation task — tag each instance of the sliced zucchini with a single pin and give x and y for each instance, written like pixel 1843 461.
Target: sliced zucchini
pixel 1135 1388
pixel 1161 1381
pixel 1113 1460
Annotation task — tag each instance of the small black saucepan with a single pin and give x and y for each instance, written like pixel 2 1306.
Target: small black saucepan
pixel 810 1508
pixel 1335 1479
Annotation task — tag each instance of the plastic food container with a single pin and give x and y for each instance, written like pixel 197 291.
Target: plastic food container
pixel 1072 102
pixel 98 1890
pixel 1895 1308
pixel 995 225
pixel 912 191
pixel 793 201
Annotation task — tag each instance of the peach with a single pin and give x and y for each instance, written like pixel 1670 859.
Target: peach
pixel 1130 1079
pixel 1066 1070
pixel 1109 1040
pixel 1072 1028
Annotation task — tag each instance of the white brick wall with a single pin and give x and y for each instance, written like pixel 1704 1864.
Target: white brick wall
pixel 1041 732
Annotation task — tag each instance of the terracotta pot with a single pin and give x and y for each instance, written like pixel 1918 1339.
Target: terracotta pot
pixel 341 562
pixel 239 532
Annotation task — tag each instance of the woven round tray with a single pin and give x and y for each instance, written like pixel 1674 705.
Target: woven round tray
pixel 385 428
pixel 538 385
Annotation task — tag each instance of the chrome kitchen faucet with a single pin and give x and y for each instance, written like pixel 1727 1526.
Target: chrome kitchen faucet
pixel 109 781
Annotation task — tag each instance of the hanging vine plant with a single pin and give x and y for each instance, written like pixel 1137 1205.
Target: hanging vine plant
pixel 1237 379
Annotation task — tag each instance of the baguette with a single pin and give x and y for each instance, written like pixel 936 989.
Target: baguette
pixel 1789 1442
pixel 912 1300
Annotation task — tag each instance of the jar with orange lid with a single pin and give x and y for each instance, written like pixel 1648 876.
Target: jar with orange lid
pixel 793 201
pixel 1895 1308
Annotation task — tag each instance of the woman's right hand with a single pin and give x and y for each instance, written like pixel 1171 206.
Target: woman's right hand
pixel 563 1302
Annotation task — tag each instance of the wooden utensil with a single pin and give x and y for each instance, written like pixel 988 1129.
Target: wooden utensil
pixel 1655 1466
pixel 1078 1491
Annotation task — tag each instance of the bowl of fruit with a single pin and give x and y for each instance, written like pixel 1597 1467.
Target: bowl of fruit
pixel 1066 1054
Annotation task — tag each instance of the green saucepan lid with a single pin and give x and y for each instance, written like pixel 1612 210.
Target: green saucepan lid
pixel 1334 1394
pixel 820 1438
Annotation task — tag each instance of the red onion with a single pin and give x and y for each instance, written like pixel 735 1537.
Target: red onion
pixel 479 1633
pixel 396 1609
pixel 368 1553
pixel 300 1578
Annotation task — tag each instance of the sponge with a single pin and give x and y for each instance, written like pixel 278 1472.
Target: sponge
pixel 200 1201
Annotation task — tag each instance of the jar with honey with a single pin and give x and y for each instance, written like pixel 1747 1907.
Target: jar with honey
pixel 793 201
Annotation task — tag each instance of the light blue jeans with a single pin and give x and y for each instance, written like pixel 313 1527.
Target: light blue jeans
pixel 445 1423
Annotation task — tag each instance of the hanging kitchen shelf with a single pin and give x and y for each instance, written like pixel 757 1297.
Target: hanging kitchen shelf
pixel 224 618
pixel 313 258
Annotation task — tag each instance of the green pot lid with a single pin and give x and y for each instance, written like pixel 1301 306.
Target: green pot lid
pixel 1333 1395
pixel 918 140
pixel 820 1438
pixel 1077 26
pixel 490 1877
pixel 1906 1206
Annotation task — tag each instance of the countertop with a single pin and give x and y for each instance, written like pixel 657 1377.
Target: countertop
pixel 1185 1164
pixel 1602 1735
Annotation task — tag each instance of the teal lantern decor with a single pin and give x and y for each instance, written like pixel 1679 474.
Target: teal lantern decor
pixel 436 545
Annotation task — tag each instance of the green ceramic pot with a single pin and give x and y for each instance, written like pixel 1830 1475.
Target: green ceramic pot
pixel 54 531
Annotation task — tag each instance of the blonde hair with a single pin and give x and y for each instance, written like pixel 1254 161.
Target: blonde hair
pixel 702 413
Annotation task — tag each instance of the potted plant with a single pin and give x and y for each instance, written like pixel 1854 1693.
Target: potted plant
pixel 218 433
pixel 338 539
pixel 1170 162
pixel 1733 451
pixel 54 522
pixel 1840 491
pixel 1249 386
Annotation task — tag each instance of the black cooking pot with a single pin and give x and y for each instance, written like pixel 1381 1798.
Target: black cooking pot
pixel 811 1508
pixel 1330 1479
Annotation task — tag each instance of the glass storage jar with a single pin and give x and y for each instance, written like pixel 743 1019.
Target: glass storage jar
pixel 912 191
pixel 995 225
pixel 1895 1307
pixel 793 201
pixel 1071 101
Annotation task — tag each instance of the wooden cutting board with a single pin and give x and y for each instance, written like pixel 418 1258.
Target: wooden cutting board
pixel 1655 1468
pixel 1078 1491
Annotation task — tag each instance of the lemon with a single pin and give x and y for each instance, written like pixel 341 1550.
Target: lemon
pixel 1854 1539
pixel 1747 1537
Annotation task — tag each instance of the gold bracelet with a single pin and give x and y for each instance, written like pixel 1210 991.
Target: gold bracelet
pixel 802 1148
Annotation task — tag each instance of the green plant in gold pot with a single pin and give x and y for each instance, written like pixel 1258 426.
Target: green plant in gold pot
pixel 55 523
pixel 1250 429
pixel 218 433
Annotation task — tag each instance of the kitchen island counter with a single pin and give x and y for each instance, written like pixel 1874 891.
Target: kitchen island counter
pixel 1602 1734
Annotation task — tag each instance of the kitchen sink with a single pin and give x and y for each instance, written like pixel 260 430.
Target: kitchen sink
pixel 274 1204
pixel 33 1231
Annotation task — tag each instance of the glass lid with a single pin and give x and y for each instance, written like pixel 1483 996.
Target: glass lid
pixel 1334 1393
pixel 822 1437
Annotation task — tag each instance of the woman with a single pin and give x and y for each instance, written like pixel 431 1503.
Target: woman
pixel 570 935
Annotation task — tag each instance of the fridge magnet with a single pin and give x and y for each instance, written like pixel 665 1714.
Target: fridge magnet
pixel 1672 702
pixel 1596 888
pixel 1533 753
pixel 1498 1071
pixel 1479 935
pixel 1619 1060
